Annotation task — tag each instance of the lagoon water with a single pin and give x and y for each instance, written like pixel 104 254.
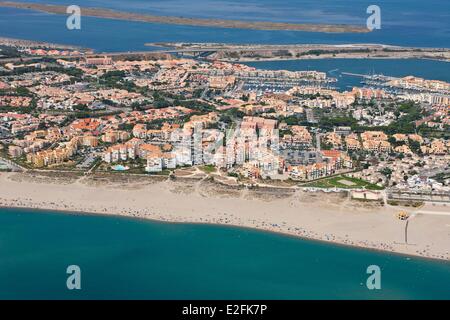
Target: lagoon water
pixel 399 27
pixel 135 259
pixel 413 23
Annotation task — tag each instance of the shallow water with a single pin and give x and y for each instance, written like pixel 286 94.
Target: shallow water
pixel 135 259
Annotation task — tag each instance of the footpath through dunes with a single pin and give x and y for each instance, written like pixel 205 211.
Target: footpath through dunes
pixel 218 23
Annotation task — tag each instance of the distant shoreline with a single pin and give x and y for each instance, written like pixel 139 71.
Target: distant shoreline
pixel 396 52
pixel 217 23
pixel 250 61
pixel 242 53
pixel 7 41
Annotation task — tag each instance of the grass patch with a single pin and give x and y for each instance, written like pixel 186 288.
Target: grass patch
pixel 208 169
pixel 165 172
pixel 343 183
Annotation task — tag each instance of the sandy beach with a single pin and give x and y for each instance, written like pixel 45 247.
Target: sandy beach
pixel 320 216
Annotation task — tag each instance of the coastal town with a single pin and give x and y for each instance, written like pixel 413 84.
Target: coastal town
pixel 166 115
pixel 201 151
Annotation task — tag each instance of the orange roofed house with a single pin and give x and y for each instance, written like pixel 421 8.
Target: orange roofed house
pixel 85 125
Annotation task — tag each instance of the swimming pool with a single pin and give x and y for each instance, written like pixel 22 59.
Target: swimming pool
pixel 120 168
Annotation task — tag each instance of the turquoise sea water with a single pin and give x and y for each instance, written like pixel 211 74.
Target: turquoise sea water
pixel 126 258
